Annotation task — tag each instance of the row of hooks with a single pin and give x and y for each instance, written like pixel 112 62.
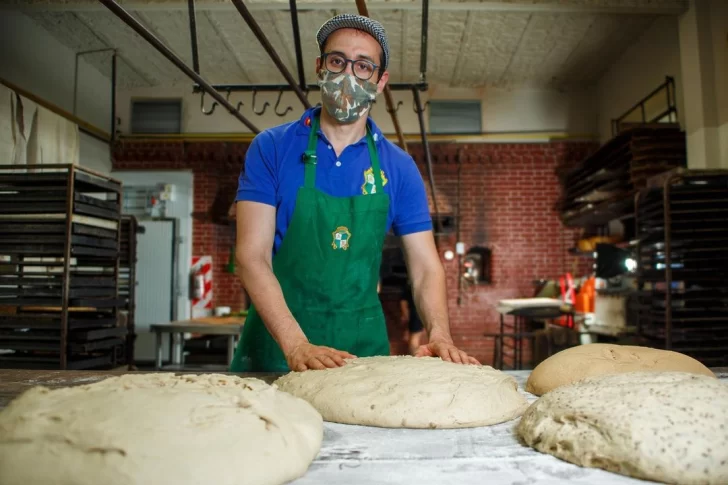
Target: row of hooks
pixel 240 104
pixel 414 106
pixel 266 104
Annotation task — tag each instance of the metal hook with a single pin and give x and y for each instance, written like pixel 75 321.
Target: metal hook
pixel 265 105
pixel 394 110
pixel 280 95
pixel 240 103
pixel 424 106
pixel 202 105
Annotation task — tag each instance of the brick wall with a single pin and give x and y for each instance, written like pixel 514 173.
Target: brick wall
pixel 507 198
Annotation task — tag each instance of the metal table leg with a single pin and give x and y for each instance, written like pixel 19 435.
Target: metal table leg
pixel 158 360
pixel 230 348
pixel 177 348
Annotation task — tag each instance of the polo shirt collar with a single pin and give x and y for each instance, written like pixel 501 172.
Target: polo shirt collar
pixel 304 125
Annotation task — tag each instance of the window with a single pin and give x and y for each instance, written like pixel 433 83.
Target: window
pixel 455 116
pixel 156 116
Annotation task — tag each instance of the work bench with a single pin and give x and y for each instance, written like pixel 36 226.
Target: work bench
pixel 367 455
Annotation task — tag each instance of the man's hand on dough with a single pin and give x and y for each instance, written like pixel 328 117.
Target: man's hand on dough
pixel 308 356
pixel 446 351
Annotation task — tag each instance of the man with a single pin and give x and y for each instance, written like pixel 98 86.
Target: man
pixel 322 192
pixel 409 317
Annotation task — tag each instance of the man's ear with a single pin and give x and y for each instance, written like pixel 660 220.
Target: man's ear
pixel 318 64
pixel 382 82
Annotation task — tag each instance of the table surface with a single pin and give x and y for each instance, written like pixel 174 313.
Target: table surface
pixel 364 455
pixel 197 326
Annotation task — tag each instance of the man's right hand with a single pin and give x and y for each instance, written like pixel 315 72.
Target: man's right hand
pixel 308 356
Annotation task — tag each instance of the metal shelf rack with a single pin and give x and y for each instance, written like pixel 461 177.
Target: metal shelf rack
pixel 59 268
pixel 682 271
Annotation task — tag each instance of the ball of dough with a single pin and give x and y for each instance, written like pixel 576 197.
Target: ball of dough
pixel 408 392
pixel 158 428
pixel 665 426
pixel 576 363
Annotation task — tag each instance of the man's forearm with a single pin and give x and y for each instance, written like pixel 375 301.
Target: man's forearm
pixel 430 293
pixel 261 284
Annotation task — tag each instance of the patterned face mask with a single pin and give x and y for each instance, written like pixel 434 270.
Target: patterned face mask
pixel 345 96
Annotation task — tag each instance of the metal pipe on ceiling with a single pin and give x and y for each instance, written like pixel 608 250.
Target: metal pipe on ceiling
pixel 428 156
pixel 248 17
pixel 113 98
pixel 287 87
pixel 193 36
pixel 128 19
pixel 297 44
pixel 361 5
pixel 423 44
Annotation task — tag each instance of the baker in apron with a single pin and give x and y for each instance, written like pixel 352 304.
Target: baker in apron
pixel 315 303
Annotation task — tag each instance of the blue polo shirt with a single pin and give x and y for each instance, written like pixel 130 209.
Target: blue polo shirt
pixel 274 171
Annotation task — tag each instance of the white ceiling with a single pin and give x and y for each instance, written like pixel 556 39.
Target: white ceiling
pixel 562 44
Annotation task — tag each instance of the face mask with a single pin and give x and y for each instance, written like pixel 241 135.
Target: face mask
pixel 345 97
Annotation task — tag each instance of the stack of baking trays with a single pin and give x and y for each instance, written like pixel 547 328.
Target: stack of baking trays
pixel 602 187
pixel 127 279
pixel 59 267
pixel 682 273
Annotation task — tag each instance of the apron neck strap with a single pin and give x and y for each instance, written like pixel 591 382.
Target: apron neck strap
pixel 310 159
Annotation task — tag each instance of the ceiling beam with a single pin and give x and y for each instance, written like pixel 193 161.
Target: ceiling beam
pixel 631 7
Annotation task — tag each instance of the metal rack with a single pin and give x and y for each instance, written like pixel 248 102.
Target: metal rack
pixel 602 187
pixel 127 279
pixel 682 269
pixel 59 275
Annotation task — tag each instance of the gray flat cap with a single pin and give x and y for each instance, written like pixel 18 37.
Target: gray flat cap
pixel 358 22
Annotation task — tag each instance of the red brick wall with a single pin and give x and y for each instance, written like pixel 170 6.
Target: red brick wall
pixel 507 198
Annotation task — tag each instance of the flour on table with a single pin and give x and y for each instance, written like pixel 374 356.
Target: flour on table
pixel 670 427
pixel 158 428
pixel 576 363
pixel 408 392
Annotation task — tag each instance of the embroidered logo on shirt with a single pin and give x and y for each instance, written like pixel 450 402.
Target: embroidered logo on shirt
pixel 341 238
pixel 369 187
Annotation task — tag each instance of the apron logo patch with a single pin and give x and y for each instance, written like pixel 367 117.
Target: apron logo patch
pixel 341 238
pixel 369 187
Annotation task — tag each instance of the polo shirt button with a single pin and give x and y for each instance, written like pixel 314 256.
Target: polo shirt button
pixel 330 147
pixel 338 163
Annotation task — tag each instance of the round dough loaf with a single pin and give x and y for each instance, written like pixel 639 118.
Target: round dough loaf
pixel 408 392
pixel 576 363
pixel 666 426
pixel 158 428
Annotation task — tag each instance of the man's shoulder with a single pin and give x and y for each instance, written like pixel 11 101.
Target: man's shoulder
pixel 276 135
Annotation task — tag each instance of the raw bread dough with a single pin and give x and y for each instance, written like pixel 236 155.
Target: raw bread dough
pixel 408 392
pixel 576 363
pixel 158 428
pixel 664 426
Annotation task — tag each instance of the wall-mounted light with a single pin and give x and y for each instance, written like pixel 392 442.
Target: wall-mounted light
pixel 449 255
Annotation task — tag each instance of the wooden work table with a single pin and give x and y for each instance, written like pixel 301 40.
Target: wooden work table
pixel 358 455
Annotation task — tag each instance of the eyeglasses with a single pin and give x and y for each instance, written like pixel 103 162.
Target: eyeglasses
pixel 361 68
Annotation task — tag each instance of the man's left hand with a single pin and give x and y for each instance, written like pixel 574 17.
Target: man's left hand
pixel 446 351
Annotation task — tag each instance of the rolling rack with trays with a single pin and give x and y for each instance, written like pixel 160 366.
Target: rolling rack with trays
pixel 59 269
pixel 682 271
pixel 130 227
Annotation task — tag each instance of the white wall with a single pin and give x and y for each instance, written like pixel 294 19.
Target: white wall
pixel 719 27
pixel 504 110
pixel 34 60
pixel 638 71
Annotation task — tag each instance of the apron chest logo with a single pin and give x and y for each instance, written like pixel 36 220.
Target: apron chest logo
pixel 341 238
pixel 369 186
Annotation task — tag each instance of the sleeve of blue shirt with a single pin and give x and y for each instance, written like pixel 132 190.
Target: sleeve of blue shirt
pixel 412 213
pixel 258 180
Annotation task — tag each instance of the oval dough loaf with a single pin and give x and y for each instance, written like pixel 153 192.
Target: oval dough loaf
pixel 576 363
pixel 408 392
pixel 665 426
pixel 156 429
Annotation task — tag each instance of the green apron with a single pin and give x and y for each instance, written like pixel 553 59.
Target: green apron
pixel 328 268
